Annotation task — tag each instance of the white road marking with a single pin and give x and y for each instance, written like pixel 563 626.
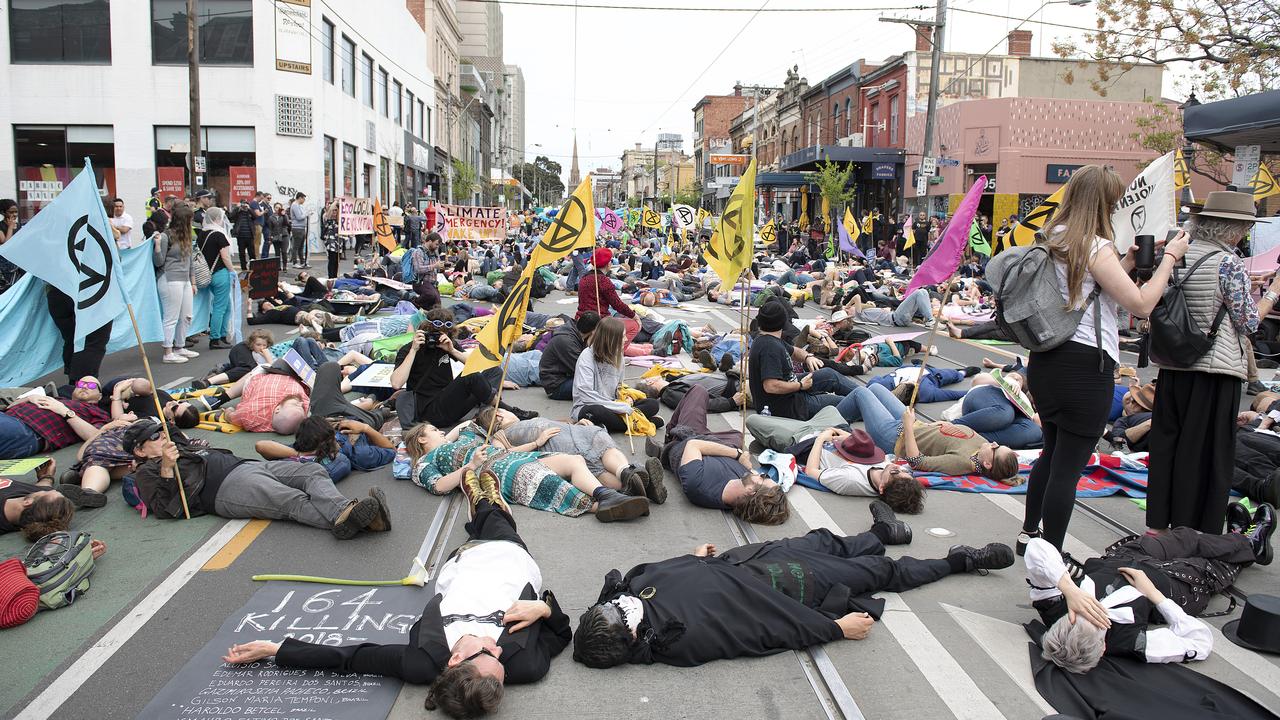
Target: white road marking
pixel 176 383
pixel 66 684
pixel 1006 643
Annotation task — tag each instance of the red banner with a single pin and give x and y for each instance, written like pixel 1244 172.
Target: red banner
pixel 171 181
pixel 244 181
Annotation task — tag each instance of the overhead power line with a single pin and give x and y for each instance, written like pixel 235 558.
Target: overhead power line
pixel 684 8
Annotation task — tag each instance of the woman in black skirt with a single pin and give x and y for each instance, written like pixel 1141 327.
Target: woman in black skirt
pixel 1193 424
pixel 1072 383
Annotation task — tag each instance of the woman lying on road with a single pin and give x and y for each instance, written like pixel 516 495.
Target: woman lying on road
pixel 543 481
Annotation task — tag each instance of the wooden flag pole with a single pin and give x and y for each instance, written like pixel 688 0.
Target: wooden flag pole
pixel 933 332
pixel 506 362
pixel 155 396
pixel 745 341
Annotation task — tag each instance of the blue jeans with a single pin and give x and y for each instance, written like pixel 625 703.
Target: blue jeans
pixel 829 388
pixel 879 411
pixel 931 386
pixel 17 440
pixel 310 351
pixel 915 304
pixel 564 392
pixel 483 293
pixel 987 411
pixel 364 456
pixel 576 272
pixel 220 289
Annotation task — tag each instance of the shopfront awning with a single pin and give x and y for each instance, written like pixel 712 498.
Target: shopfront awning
pixel 781 179
pixel 1248 120
pixel 808 158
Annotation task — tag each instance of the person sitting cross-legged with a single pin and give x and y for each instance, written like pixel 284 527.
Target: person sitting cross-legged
pixel 489 623
pixel 772 379
pixel 759 599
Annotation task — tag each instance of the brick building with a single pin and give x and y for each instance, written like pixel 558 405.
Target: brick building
pixel 712 117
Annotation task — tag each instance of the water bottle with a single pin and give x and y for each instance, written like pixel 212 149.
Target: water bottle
pixel 765 412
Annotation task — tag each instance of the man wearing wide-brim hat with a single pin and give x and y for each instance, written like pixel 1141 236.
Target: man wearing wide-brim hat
pixel 1192 438
pixel 849 463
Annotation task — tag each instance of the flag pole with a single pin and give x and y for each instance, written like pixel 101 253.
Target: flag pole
pixel 497 399
pixel 155 397
pixel 746 344
pixel 933 332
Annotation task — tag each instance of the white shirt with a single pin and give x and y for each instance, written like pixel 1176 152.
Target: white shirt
pixel 484 578
pixel 1183 639
pixel 845 478
pixel 1085 333
pixel 126 239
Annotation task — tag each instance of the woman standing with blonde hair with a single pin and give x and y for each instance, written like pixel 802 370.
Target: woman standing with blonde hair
pixel 596 379
pixel 1072 383
pixel 332 240
pixel 171 254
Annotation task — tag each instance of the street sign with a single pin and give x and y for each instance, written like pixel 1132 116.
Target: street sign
pixel 922 184
pixel 928 166
pixel 729 159
pixel 200 163
pixel 948 162
pixel 1247 159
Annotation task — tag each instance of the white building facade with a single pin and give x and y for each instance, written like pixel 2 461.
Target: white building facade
pixel 327 98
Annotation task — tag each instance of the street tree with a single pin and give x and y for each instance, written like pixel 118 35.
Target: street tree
pixel 1233 45
pixel 832 180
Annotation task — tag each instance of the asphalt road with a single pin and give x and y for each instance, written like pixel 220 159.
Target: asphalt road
pixel 952 649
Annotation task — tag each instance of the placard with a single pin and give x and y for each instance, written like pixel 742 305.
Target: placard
pixel 299 366
pixel 206 687
pixel 264 278
pixel 470 222
pixel 244 181
pixel 293 36
pixel 377 375
pixel 355 216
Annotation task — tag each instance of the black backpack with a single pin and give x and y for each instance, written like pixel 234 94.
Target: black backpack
pixel 1176 339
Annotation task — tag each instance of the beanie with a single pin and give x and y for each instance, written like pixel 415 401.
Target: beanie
pixel 771 317
pixel 19 597
pixel 601 257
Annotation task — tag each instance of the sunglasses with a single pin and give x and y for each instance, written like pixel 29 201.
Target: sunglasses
pixel 478 653
pixel 86 385
pixel 439 324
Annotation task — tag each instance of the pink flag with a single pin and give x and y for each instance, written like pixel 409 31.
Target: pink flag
pixel 943 259
pixel 906 226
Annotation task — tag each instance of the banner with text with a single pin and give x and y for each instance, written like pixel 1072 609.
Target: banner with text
pixel 244 181
pixel 470 222
pixel 355 216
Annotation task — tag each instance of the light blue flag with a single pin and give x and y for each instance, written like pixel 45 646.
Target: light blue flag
pixel 70 246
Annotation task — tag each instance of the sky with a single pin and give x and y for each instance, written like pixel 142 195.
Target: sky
pixel 639 72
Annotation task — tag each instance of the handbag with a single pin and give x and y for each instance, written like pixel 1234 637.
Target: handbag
pixel 1176 338
pixel 200 273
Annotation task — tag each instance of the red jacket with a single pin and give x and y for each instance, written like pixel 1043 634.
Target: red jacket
pixel 594 282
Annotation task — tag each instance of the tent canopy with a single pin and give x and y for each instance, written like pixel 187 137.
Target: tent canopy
pixel 1248 120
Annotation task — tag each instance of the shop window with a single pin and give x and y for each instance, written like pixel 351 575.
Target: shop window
pixel 225 27
pixel 329 188
pixel 348 66
pixel 327 49
pixel 384 179
pixel 70 31
pixel 222 147
pixel 348 169
pixel 47 157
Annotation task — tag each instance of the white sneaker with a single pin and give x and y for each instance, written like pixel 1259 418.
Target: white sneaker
pixel 173 358
pixel 188 353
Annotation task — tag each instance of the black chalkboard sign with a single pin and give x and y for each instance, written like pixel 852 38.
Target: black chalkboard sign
pixel 264 278
pixel 208 688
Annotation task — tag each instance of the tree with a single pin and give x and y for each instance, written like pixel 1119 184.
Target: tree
pixel 1233 45
pixel 832 180
pixel 542 178
pixel 466 180
pixel 1161 132
pixel 690 194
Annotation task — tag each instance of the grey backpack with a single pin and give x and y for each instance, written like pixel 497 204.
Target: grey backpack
pixel 1029 305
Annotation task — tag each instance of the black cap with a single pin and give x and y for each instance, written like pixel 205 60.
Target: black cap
pixel 772 317
pixel 140 432
pixel 203 193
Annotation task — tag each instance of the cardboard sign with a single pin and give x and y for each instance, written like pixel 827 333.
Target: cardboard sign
pixel 377 375
pixel 469 222
pixel 299 366
pixel 323 614
pixel 264 278
pixel 355 216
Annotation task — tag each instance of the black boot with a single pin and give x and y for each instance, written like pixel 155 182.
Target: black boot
pixel 1238 518
pixel 632 483
pixel 82 497
pixel 994 556
pixel 520 414
pixel 1260 532
pixel 655 487
pixel 613 506
pixel 886 525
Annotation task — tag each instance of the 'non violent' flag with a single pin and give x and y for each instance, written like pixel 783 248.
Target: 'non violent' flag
pixel 574 227
pixel 729 251
pixel 703 214
pixel 1181 173
pixel 826 215
pixel 978 241
pixel 1147 206
pixel 69 245
pixel 609 221
pixel 381 228
pixel 943 260
pixel 846 242
pixel 1024 233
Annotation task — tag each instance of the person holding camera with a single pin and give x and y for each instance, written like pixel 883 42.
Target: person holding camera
pixel 1073 383
pixel 424 368
pixel 243 221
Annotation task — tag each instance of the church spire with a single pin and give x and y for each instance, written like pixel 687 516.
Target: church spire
pixel 574 176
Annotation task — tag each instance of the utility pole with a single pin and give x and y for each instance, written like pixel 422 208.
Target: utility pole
pixel 193 80
pixel 655 175
pixel 939 26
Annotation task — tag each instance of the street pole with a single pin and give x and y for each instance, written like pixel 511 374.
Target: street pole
pixel 939 27
pixel 193 80
pixel 655 176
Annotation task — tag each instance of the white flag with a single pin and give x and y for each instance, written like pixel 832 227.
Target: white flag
pixel 684 215
pixel 1147 206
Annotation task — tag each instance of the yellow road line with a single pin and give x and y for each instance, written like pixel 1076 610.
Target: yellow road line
pixel 237 545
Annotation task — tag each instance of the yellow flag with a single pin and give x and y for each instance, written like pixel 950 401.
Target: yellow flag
pixel 868 224
pixel 911 239
pixel 703 214
pixel 574 227
pixel 767 234
pixel 826 215
pixel 1181 174
pixel 851 226
pixel 1024 233
pixel 381 228
pixel 729 251
pixel 1263 184
pixel 650 218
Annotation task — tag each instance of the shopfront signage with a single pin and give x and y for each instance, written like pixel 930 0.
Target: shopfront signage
pixel 293 36
pixel 740 160
pixel 1059 174
pixel 244 180
pixel 883 171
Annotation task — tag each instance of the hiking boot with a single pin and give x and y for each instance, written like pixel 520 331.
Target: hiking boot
pixel 726 362
pixel 704 358
pixel 655 486
pixel 1260 532
pixel 892 530
pixel 632 483
pixel 613 506
pixel 994 556
pixel 1254 387
pixel 355 517
pixel 382 522
pixel 83 498
pixel 1238 518
pixel 904 391
pixel 1024 539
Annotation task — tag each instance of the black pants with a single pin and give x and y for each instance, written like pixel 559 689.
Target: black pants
pixel 857 562
pixel 1193 446
pixel 983 331
pixel 722 402
pixel 1257 461
pixel 333 263
pixel 328 400
pixel 248 251
pixel 89 360
pixel 612 421
pixel 447 407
